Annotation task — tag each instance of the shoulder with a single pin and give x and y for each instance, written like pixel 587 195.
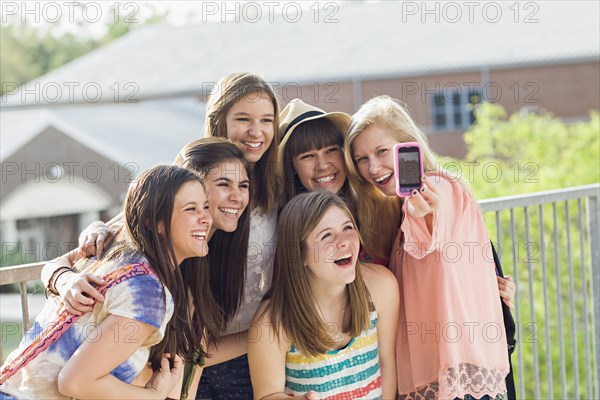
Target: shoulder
pixel 265 327
pixel 380 282
pixel 376 276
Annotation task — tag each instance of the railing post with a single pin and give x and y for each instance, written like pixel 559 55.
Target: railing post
pixel 594 239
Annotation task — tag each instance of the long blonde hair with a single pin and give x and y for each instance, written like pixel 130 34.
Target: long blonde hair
pixel 292 301
pixel 229 90
pixel 379 215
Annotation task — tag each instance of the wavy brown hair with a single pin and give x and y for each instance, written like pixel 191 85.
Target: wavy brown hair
pixel 292 304
pixel 148 203
pixel 229 90
pixel 228 250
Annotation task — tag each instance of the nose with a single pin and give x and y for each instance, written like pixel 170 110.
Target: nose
pixel 254 129
pixel 204 218
pixel 374 167
pixel 321 163
pixel 235 194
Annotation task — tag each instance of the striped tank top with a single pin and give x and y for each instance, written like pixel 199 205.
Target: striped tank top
pixel 349 373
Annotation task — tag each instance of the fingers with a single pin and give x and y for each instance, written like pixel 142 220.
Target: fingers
pixel 177 365
pixel 69 307
pixel 417 206
pixel 430 195
pixel 165 368
pixel 507 290
pixel 94 239
pixel 311 395
pixel 89 290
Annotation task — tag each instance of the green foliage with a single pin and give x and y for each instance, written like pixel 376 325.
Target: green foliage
pixel 517 154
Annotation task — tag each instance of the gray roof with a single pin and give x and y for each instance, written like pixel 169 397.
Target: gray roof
pixel 145 133
pixel 369 39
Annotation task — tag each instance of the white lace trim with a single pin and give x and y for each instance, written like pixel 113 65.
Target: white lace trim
pixel 458 382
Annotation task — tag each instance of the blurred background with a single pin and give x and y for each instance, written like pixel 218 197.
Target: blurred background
pixel 508 93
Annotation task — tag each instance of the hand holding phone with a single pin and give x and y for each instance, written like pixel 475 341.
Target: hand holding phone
pixel 408 168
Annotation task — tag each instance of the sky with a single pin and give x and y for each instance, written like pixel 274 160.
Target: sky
pixel 89 18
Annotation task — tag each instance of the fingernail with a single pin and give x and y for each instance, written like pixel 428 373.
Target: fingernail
pixel 423 189
pixel 423 178
pixel 414 192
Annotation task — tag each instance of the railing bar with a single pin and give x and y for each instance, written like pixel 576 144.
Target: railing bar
pixel 586 327
pixel 572 301
pixel 24 304
pixel 536 372
pixel 517 308
pixel 593 220
pixel 498 237
pixel 545 290
pixel 550 196
pixel 563 368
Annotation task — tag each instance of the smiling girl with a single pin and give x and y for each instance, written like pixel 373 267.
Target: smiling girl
pixel 98 356
pixel 451 339
pixel 328 327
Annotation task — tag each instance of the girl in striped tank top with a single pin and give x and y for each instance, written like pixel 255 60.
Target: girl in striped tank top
pixel 327 328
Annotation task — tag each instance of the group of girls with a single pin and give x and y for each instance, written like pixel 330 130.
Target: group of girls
pixel 290 300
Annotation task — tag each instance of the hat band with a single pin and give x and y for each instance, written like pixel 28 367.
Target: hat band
pixel 299 119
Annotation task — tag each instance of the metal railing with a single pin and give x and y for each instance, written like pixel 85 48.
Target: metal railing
pixel 549 246
pixel 568 246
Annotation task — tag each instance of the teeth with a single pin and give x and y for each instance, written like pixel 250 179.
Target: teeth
pixel 232 211
pixel 349 255
pixel 325 179
pixel 254 145
pixel 200 234
pixel 383 178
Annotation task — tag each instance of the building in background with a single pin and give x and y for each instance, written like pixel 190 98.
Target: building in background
pixel 139 99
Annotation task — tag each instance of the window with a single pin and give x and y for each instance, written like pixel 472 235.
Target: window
pixel 452 109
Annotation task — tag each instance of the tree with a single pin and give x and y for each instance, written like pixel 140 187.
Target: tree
pixel 27 52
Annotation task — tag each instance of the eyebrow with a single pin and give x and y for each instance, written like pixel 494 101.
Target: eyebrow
pixel 222 178
pixel 326 229
pixel 245 113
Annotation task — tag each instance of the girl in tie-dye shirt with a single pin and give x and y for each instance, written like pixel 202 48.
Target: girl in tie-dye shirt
pixel 167 230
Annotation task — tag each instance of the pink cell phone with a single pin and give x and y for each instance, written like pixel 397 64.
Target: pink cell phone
pixel 408 168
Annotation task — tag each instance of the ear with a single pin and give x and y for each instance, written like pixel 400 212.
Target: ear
pixel 161 228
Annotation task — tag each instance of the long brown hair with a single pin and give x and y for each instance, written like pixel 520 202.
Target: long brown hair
pixel 228 250
pixel 291 299
pixel 148 203
pixel 229 90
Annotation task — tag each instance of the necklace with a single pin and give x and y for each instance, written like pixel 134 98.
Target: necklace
pixel 335 331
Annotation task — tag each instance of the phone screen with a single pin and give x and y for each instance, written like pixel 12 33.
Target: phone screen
pixel 410 167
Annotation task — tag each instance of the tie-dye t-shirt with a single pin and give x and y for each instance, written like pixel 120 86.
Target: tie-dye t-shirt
pixel 140 298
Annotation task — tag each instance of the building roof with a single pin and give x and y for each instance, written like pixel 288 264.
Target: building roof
pixel 145 133
pixel 369 40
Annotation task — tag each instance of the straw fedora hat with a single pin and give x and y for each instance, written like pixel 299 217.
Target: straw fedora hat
pixel 297 112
